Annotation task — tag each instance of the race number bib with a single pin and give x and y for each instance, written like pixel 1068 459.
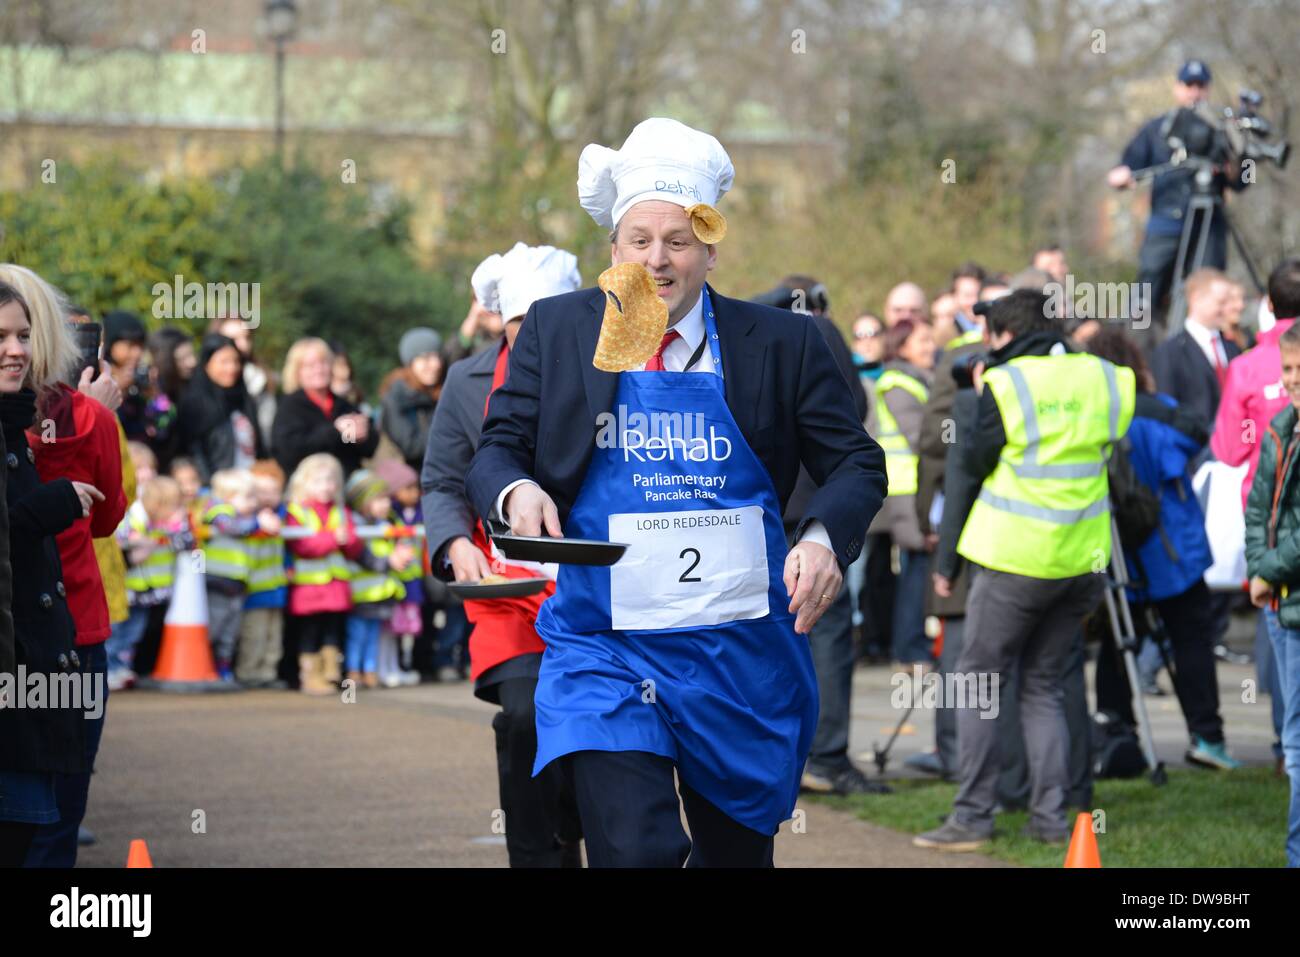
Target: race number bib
pixel 688 569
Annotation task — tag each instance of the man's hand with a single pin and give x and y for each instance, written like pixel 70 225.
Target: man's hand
pixel 479 318
pixel 528 509
pixel 812 580
pixel 103 390
pixel 942 585
pixel 1261 592
pixel 1121 177
pixel 468 563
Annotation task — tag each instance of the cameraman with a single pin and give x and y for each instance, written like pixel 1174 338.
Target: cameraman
pixel 1037 528
pixel 1171 191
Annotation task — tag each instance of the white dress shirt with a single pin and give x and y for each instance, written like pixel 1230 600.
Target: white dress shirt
pixel 690 330
pixel 1210 342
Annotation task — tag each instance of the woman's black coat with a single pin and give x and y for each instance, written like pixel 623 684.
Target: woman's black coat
pixel 42 739
pixel 206 434
pixel 302 429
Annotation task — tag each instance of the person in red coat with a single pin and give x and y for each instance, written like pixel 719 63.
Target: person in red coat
pixel 73 437
pixel 76 438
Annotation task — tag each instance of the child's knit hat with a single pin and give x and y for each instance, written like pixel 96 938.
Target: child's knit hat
pixel 364 486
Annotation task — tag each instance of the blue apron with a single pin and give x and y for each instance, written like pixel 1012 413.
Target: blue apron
pixel 684 648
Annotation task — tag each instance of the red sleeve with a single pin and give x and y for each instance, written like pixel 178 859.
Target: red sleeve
pixel 107 515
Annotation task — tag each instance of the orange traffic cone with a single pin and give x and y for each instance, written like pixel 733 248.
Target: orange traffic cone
pixel 138 856
pixel 1083 844
pixel 185 657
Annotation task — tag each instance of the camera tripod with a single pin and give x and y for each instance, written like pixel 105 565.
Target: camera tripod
pixel 1205 205
pixel 1127 641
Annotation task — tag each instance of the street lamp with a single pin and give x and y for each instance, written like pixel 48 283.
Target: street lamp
pixel 281 19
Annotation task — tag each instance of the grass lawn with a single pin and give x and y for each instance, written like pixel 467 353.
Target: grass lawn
pixel 1198 819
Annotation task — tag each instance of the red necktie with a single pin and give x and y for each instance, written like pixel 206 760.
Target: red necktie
pixel 656 363
pixel 1220 369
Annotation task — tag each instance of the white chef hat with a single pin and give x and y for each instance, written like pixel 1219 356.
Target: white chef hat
pixel 661 159
pixel 511 283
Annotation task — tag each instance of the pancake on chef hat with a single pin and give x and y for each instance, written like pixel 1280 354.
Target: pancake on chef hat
pixel 510 284
pixel 660 160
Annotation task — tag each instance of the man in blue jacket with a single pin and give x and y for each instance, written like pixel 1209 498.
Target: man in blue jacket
pixel 688 656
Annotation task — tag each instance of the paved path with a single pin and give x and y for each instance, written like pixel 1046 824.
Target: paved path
pixel 407 778
pixel 403 778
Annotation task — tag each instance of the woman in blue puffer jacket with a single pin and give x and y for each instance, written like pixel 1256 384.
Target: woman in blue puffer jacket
pixel 1168 568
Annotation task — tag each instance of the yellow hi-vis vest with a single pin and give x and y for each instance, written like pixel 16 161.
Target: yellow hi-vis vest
pixel 1044 512
pixel 224 555
pixel 328 568
pixel 368 586
pixel 158 570
pixel 965 339
pixel 900 461
pixel 265 563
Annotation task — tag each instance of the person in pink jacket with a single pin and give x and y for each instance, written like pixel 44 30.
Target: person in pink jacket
pixel 1252 395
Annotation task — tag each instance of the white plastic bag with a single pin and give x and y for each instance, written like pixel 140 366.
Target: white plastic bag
pixel 1218 488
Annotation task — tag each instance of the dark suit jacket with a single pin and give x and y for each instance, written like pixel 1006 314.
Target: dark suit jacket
pixel 789 400
pixel 302 429
pixel 805 486
pixel 453 439
pixel 1183 372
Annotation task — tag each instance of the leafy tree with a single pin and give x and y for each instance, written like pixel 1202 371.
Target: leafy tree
pixel 328 259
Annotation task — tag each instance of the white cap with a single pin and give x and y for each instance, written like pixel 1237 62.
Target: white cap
pixel 661 159
pixel 510 284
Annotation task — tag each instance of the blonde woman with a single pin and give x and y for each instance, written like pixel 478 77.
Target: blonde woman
pixel 320 596
pixel 71 436
pixel 39 747
pixel 310 418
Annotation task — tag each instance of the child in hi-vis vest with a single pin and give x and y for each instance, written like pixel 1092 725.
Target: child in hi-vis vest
pixel 231 516
pixel 261 632
pixel 153 532
pixel 397 640
pixel 319 594
pixel 376 587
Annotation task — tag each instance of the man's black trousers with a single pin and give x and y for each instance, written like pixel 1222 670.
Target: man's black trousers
pixel 631 816
pixel 541 817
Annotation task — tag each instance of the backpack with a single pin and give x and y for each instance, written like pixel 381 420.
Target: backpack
pixel 1116 752
pixel 1134 505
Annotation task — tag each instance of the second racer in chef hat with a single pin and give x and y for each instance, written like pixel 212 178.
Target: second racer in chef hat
pixel 509 284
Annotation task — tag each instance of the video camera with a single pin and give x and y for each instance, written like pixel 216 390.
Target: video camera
pixel 1200 137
